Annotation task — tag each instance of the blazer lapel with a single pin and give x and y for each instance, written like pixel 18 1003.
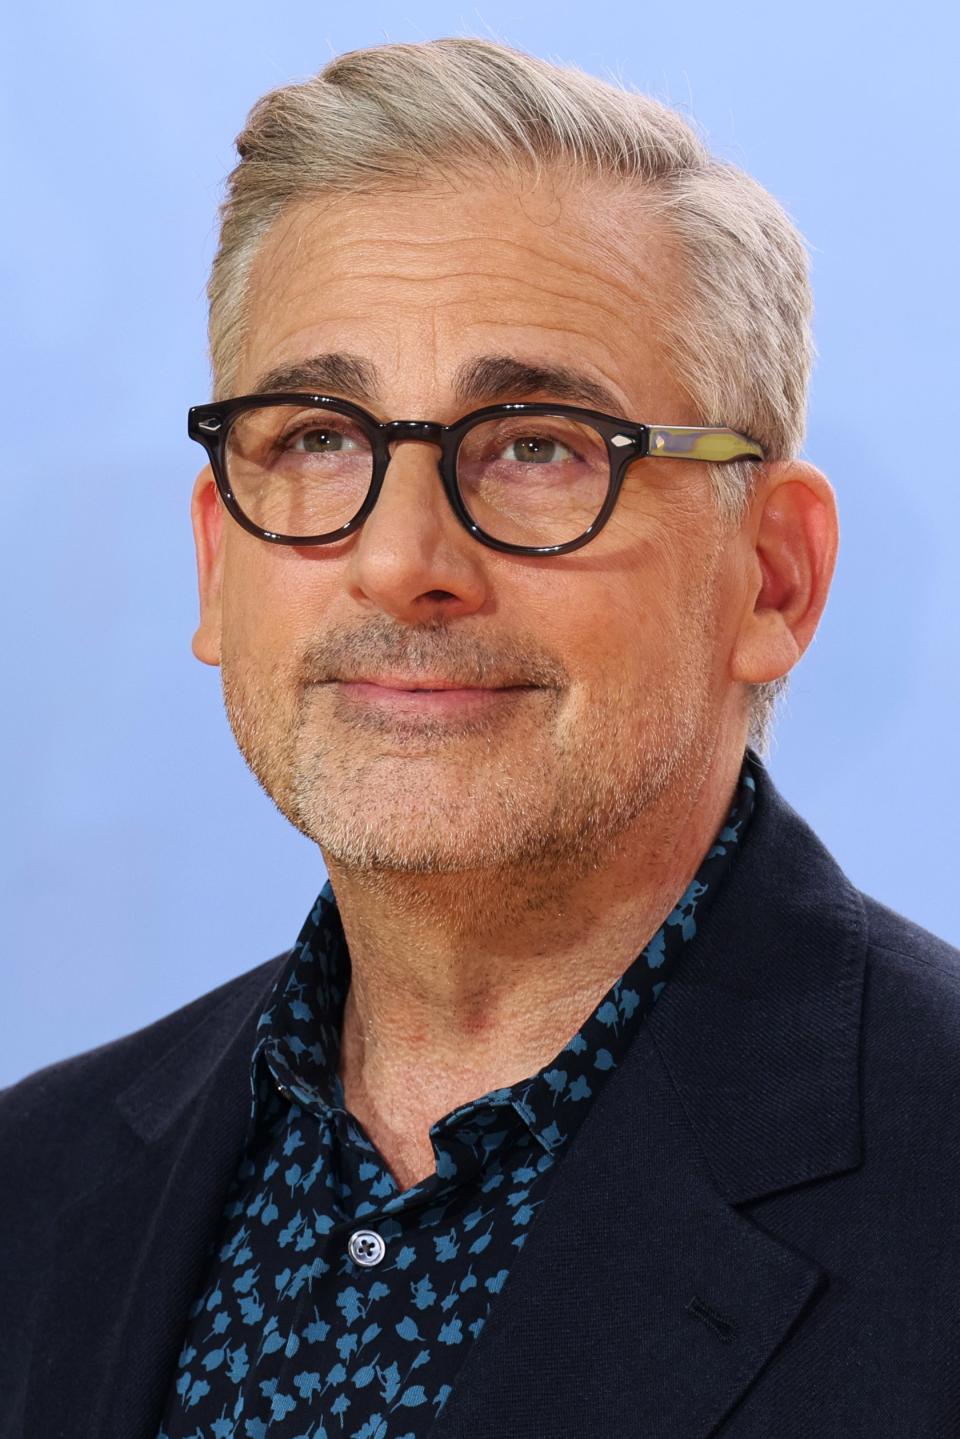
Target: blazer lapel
pixel 644 1300
pixel 641 1302
pixel 130 1255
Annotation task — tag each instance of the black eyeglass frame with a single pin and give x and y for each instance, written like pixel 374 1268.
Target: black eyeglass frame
pixel 626 442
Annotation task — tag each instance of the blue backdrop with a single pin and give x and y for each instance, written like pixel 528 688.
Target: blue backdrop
pixel 142 864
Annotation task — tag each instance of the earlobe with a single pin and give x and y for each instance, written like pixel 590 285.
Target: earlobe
pixel 206 513
pixel 794 533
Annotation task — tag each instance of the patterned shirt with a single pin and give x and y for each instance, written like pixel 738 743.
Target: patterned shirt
pixel 336 1304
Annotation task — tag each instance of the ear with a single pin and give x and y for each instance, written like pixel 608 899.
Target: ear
pixel 206 513
pixel 793 532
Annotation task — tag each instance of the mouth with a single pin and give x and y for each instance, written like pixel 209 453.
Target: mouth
pixel 434 695
pixel 425 682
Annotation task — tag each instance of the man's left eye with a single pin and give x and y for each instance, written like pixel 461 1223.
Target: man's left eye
pixel 537 450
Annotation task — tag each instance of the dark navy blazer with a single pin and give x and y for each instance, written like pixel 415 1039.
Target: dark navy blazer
pixel 755 1234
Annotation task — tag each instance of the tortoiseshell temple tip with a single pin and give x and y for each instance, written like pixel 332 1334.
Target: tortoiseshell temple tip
pixel 691 442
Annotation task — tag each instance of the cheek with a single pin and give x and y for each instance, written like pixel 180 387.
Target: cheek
pixel 638 607
pixel 644 628
pixel 266 611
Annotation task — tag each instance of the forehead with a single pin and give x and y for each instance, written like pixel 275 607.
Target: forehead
pixel 421 282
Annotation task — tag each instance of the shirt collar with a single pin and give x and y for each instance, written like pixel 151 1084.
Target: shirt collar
pixel 298 1033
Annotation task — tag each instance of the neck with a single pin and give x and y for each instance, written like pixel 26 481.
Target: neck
pixel 469 982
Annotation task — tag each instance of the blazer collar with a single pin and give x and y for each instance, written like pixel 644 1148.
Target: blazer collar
pixel 759 1030
pixel 219 1047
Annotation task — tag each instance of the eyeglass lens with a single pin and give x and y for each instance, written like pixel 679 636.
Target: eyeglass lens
pixel 299 471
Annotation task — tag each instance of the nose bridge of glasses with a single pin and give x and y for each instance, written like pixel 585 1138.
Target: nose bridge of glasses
pixel 427 432
pixel 420 432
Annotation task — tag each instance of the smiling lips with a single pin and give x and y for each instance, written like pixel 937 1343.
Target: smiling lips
pixel 417 695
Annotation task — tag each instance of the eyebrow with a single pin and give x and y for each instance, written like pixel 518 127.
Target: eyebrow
pixel 482 380
pixel 497 377
pixel 338 371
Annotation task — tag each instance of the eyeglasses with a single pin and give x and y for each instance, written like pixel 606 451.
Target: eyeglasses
pixel 528 479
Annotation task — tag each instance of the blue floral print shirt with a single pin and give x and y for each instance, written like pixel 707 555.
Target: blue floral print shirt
pixel 335 1304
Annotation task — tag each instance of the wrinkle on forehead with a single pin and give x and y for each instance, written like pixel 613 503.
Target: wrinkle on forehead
pixel 558 204
pixel 611 226
pixel 579 265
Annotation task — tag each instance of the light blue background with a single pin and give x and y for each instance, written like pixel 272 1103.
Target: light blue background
pixel 142 864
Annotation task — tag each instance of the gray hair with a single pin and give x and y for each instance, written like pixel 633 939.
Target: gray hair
pixel 737 332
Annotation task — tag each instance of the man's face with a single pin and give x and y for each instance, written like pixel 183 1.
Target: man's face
pixel 587 684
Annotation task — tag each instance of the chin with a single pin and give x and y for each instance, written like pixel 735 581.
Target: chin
pixel 376 845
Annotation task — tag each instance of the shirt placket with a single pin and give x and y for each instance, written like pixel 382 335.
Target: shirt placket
pixel 378 1227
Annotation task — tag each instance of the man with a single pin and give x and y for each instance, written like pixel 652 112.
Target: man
pixel 592 1098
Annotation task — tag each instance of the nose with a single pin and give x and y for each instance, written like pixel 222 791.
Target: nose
pixel 412 558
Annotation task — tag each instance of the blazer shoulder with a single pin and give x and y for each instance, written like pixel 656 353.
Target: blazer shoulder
pixel 911 1003
pixel 79 1085
pixel 898 942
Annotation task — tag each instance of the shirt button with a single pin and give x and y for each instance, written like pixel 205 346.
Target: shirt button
pixel 366 1247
